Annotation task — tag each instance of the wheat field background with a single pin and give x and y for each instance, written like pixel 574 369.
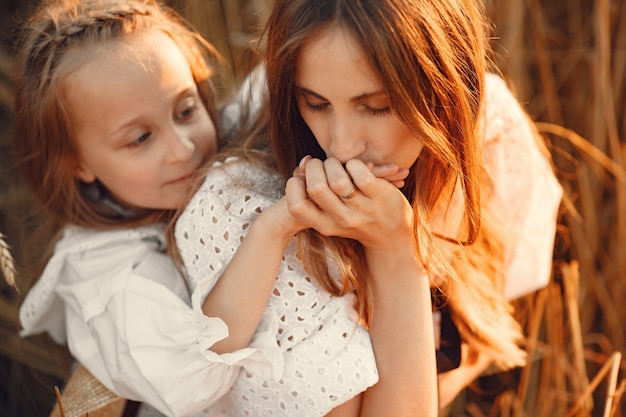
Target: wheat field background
pixel 566 61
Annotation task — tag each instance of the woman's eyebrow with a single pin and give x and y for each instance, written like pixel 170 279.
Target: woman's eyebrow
pixel 369 95
pixel 308 92
pixel 363 96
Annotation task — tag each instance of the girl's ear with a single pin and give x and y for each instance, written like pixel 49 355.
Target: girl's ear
pixel 84 174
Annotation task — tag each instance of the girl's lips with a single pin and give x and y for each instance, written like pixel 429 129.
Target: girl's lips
pixel 192 173
pixel 184 178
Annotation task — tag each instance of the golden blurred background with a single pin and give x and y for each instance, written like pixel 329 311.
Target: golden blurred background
pixel 566 61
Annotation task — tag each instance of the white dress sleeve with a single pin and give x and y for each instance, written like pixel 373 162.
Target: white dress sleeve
pixel 526 192
pixel 127 318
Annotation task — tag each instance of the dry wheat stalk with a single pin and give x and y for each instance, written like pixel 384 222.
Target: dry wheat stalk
pixel 59 401
pixel 7 265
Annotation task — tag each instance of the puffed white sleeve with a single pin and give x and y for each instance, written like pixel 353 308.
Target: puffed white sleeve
pixel 526 192
pixel 118 301
pixel 132 326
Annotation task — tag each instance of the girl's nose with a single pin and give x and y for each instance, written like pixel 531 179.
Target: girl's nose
pixel 180 147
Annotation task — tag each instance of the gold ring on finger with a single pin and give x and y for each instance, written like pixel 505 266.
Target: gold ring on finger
pixel 349 195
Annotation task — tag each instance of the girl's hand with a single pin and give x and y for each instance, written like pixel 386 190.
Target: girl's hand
pixel 352 202
pixel 279 220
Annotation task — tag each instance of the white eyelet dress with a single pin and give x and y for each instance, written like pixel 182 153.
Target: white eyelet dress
pixel 318 355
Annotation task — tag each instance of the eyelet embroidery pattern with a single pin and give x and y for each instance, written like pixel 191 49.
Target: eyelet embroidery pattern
pixel 325 357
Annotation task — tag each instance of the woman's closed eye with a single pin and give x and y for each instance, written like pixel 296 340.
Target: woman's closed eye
pixel 316 107
pixel 383 111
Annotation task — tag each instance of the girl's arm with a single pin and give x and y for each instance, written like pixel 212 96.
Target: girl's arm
pixel 121 305
pixel 240 295
pixel 232 238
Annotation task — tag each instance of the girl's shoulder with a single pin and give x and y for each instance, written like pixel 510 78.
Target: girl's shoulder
pixel 83 255
pixel 76 239
pixel 234 178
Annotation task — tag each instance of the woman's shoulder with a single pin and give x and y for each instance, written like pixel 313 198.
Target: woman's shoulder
pixel 508 128
pixel 513 150
pixel 496 86
pixel 503 111
pixel 526 193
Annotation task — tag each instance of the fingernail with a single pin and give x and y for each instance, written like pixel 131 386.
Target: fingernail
pixel 303 161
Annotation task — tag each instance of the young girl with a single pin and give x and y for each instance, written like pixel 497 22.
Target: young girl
pixel 356 84
pixel 114 116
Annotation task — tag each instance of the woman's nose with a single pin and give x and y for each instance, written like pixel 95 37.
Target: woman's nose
pixel 346 138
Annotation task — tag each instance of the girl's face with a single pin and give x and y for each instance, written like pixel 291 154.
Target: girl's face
pixel 342 101
pixel 139 122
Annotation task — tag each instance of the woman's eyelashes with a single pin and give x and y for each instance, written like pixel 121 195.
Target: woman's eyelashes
pixel 374 111
pixel 315 107
pixel 377 111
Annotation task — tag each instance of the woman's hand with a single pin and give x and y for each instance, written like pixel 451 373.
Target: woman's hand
pixel 390 172
pixel 362 202
pixel 359 201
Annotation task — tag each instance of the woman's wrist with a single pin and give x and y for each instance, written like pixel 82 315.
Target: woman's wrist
pixel 400 263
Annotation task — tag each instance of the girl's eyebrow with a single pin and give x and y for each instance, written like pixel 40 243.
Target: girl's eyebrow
pixel 363 96
pixel 122 127
pixel 188 91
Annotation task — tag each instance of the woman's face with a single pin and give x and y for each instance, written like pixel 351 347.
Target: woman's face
pixel 139 122
pixel 344 104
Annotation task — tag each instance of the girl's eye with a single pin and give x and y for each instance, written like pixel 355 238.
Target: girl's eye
pixel 141 139
pixel 187 112
pixel 316 107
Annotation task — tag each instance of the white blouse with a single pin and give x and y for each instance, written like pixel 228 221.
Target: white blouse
pixel 117 300
pixel 527 194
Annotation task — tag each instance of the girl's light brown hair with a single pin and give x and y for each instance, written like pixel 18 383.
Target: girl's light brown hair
pixel 44 144
pixel 431 58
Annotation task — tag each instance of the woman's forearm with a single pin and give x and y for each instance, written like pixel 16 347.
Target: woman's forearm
pixel 402 335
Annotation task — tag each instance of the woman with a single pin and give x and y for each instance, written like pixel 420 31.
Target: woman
pixel 354 83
